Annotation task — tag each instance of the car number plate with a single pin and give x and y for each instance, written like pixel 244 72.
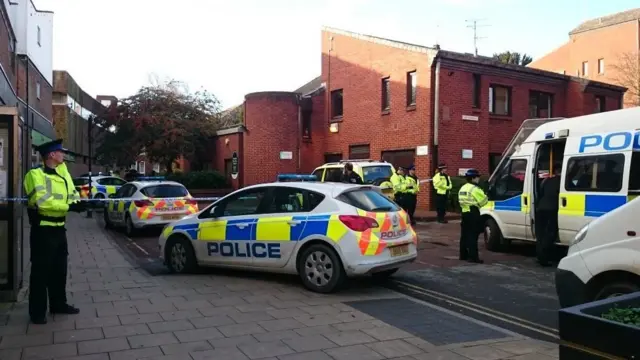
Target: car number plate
pixel 399 250
pixel 171 217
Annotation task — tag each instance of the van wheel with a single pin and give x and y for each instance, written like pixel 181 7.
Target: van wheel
pixel 616 289
pixel 493 239
pixel 320 269
pixel 180 257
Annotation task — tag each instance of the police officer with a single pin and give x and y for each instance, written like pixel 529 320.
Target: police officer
pixel 413 188
pixel 442 184
pixel 471 199
pixel 51 194
pixel 547 216
pixel 349 176
pixel 398 182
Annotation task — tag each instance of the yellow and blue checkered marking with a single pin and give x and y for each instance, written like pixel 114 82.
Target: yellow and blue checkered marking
pixel 591 205
pixel 105 189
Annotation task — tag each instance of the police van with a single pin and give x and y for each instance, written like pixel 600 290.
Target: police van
pixel 600 159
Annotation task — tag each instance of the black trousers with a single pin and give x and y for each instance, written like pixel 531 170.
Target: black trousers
pixel 441 206
pixel 48 279
pixel 469 230
pixel 412 202
pixel 401 199
pixel 546 233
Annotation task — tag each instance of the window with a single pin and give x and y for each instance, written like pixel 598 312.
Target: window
pixel 376 175
pixel 359 151
pixel 600 66
pixel 403 158
pixel 368 200
pixel 39 36
pixel 386 95
pixel 156 167
pixel 80 181
pixel 38 90
pixel 510 180
pixel 141 168
pixel 477 82
pixel 164 191
pixel 125 191
pixel 245 203
pixel 306 124
pixel 634 173
pixel 318 174
pixel 585 68
pixel 601 104
pixel 286 200
pixel 117 182
pixel 333 174
pixel 499 100
pixel 412 85
pixel 336 103
pixel 494 161
pixel 540 105
pixel 227 168
pixel 331 157
pixel 106 103
pixel 601 173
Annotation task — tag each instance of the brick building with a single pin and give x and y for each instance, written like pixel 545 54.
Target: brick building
pixel 597 49
pixel 408 104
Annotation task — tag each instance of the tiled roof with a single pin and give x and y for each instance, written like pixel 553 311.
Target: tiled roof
pixel 609 20
pixel 310 86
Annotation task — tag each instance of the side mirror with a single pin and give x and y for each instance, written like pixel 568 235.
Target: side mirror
pixel 214 211
pixel 112 196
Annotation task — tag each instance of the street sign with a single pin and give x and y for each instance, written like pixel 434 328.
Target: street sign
pixel 234 165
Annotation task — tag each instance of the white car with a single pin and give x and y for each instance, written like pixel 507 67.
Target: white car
pixel 148 203
pixel 324 232
pixel 101 185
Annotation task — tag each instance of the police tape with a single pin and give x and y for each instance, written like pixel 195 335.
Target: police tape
pixel 109 200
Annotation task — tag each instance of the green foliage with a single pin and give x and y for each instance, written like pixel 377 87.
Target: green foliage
pixel 200 179
pixel 457 182
pixel 628 316
pixel 514 58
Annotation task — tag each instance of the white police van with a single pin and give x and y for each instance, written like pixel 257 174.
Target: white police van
pixel 600 157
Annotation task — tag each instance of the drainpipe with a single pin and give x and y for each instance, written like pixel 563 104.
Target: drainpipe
pixel 298 147
pixel 436 112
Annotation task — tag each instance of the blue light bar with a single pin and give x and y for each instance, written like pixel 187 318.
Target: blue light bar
pixel 548 135
pixel 150 178
pixel 297 177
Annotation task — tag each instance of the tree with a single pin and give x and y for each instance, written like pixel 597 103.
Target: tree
pixel 165 121
pixel 514 58
pixel 627 74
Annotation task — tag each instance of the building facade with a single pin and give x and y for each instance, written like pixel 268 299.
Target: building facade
pixel 603 49
pixel 407 104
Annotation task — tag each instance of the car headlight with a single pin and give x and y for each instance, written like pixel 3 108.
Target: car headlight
pixel 580 235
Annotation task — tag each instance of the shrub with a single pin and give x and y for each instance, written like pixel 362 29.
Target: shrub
pixel 628 316
pixel 200 179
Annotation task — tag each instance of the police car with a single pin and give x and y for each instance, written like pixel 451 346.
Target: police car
pixel 324 232
pixel 148 202
pixel 372 173
pixel 101 185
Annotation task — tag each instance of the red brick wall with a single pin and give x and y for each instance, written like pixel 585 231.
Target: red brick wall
pixel 271 119
pixel 225 146
pixel 357 67
pixel 43 105
pixel 6 57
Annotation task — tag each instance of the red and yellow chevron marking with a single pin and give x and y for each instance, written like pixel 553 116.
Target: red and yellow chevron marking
pixel 369 243
pixel 84 192
pixel 145 213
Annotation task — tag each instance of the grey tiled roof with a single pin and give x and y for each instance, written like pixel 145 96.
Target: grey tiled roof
pixel 609 20
pixel 310 86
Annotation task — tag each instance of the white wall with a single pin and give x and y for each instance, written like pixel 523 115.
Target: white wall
pixel 26 20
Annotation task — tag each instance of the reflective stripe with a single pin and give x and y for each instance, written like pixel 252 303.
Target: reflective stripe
pixel 35 190
pixel 48 194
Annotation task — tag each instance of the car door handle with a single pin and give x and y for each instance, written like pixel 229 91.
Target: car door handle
pixel 564 201
pixel 241 226
pixel 526 200
pixel 293 222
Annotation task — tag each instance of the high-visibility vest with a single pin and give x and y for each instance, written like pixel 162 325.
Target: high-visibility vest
pixel 398 183
pixel 442 183
pixel 471 195
pixel 412 185
pixel 50 194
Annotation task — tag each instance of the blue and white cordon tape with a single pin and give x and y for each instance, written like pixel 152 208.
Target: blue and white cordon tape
pixel 108 200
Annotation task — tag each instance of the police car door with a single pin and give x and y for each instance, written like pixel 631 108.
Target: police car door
pixel 508 198
pixel 226 232
pixel 281 225
pixel 594 179
pixel 116 208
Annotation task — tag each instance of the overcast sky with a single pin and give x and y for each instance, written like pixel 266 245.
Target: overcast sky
pixel 233 47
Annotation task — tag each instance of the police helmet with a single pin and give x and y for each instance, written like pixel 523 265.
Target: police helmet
pixel 472 173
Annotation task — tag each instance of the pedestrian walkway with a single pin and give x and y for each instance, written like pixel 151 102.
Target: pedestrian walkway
pixel 127 314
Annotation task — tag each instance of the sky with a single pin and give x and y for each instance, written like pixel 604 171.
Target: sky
pixel 234 47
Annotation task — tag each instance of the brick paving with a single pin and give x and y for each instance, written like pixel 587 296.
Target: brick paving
pixel 128 314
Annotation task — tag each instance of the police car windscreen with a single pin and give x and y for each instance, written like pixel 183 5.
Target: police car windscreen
pixel 368 200
pixel 373 174
pixel 164 191
pixel 80 181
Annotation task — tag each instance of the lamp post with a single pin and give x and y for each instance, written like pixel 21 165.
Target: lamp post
pixel 90 138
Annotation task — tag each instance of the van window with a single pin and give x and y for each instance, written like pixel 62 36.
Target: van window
pixel 376 174
pixel 599 173
pixel 510 180
pixel 318 174
pixel 634 174
pixel 333 174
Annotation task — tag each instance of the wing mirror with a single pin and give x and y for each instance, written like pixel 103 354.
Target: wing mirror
pixel 112 196
pixel 214 212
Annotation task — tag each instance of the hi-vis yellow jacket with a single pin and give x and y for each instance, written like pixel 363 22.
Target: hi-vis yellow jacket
pixel 50 194
pixel 442 183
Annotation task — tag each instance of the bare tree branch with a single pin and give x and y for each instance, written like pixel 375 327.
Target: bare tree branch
pixel 627 74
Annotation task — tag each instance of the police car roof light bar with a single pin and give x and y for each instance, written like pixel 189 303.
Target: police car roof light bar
pixel 150 178
pixel 356 160
pixel 297 177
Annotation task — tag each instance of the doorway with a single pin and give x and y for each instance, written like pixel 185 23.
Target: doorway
pixel 549 159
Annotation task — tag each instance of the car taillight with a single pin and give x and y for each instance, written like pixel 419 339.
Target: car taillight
pixel 192 202
pixel 142 203
pixel 358 223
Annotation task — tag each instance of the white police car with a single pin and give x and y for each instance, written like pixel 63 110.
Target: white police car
pixel 323 232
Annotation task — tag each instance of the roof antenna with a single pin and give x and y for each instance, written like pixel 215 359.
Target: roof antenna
pixel 473 24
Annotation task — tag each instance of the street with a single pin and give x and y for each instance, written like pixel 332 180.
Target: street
pixel 509 290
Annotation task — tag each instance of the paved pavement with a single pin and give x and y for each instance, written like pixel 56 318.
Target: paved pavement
pixel 126 313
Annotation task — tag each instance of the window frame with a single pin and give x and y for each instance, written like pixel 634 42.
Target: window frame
pixel 385 92
pixel 601 66
pixel 538 96
pixel 351 153
pixel 477 91
pixel 604 158
pixel 304 206
pixel 306 125
pixel 320 177
pixel 334 95
pixel 505 171
pixel 222 203
pixel 634 173
pixel 585 68
pixel 492 99
pixel 412 88
pixel 601 103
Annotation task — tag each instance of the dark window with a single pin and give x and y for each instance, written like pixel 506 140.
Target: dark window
pixel 494 160
pixel 318 174
pixel 227 168
pixel 244 203
pixel 333 174
pixel 111 181
pixel 412 85
pixel 386 94
pixel 634 173
pixel 540 105
pixel 404 158
pixel 336 103
pixel 600 173
pixel 499 100
pixel 331 158
pixel 477 89
pixel 359 151
pixel 510 180
pixel 287 200
pixel 376 174
pixel 164 191
pixel 601 104
pixel 80 181
pixel 306 124
pixel 368 200
pixel 125 191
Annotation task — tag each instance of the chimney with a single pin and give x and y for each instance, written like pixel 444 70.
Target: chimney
pixel 436 46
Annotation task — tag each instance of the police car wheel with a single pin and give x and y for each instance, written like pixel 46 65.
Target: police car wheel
pixel 107 223
pixel 493 240
pixel 320 269
pixel 181 258
pixel 616 289
pixel 129 229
